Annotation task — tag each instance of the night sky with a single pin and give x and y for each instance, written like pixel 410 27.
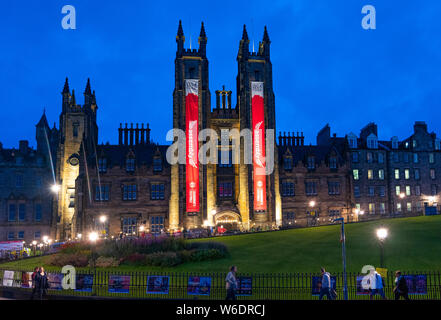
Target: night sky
pixel 326 68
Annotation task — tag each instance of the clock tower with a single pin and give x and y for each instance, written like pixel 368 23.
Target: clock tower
pixel 77 127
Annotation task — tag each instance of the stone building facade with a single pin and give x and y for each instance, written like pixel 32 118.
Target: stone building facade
pixel 130 187
pixel 26 177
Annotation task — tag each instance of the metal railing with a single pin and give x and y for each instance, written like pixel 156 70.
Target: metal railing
pixel 189 285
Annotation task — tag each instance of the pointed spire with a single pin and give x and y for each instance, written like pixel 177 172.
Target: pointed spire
pixel 88 91
pixel 73 101
pixel 43 120
pixel 265 35
pixel 202 34
pixel 244 33
pixel 180 30
pixel 66 86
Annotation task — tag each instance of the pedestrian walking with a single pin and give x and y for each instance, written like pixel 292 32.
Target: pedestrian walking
pixel 326 285
pixel 401 289
pixel 231 283
pixel 41 283
pixel 377 286
pixel 34 274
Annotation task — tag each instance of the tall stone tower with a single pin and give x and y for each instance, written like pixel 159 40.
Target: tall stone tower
pixel 255 72
pixel 77 126
pixel 191 86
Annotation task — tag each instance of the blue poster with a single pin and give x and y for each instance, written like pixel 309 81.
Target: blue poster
pixel 84 282
pixel 157 284
pixel 199 286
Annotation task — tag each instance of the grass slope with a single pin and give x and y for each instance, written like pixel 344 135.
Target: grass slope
pixel 413 244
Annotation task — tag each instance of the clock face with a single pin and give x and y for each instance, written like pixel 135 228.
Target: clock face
pixel 73 160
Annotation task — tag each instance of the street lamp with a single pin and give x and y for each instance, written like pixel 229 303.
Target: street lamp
pixel 93 236
pixel 382 235
pixel 343 253
pixel 55 188
pixel 103 218
pixel 312 203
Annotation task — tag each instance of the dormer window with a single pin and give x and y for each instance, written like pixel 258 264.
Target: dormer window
pixel 372 141
pixel 333 162
pixel 130 164
pixel 102 165
pixel 352 141
pixel 287 163
pixel 311 162
pixel 395 143
pixel 157 164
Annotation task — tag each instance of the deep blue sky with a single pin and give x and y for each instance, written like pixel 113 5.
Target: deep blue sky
pixel 326 68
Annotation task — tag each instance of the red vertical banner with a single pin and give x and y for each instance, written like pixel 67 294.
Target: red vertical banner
pixel 258 122
pixel 192 146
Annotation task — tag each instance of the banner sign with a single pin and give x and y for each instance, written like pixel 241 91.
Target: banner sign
pixel 8 278
pixel 157 284
pixel 55 281
pixel 360 289
pixel 26 279
pixel 258 122
pixel 84 282
pixel 199 286
pixel 192 145
pixel 317 284
pixel 11 245
pixel 417 284
pixel 244 287
pixel 119 284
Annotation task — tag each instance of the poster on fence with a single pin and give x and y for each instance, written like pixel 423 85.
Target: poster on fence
pixel 55 281
pixel 199 286
pixel 8 278
pixel 417 284
pixel 157 284
pixel 360 289
pixel 244 286
pixel 84 282
pixel 26 279
pixel 317 284
pixel 119 284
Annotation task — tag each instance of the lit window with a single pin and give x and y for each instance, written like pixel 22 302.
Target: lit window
pixel 371 208
pixel 407 190
pixel 382 208
pixel 381 174
pixel 409 206
pixel 157 224
pixel 129 226
pixel 397 190
pixel 370 174
pixel 398 207
pixel 397 174
pixel 406 174
pixel 355 174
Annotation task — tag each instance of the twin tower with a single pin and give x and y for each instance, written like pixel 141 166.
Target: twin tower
pixel 224 194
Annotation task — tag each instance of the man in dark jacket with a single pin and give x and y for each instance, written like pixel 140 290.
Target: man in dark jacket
pixel 33 276
pixel 401 289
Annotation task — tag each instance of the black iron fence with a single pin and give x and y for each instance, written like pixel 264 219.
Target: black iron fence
pixel 201 286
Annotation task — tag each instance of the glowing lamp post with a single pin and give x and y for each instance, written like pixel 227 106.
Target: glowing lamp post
pixel 55 188
pixel 382 234
pixel 93 237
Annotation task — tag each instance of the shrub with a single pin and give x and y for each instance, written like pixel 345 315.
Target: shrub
pixel 63 259
pixel 206 245
pixel 163 259
pixel 106 262
pixel 135 259
pixel 74 247
pixel 185 255
pixel 207 254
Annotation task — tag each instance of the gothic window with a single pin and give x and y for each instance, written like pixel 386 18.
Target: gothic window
pixel 157 191
pixel 130 164
pixel 287 163
pixel 311 163
pixel 333 162
pixel 129 192
pixel 102 165
pixel 225 189
pixel 157 164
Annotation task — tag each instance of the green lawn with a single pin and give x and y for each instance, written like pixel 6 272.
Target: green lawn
pixel 414 244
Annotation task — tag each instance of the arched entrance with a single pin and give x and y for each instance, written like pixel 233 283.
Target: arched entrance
pixel 228 220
